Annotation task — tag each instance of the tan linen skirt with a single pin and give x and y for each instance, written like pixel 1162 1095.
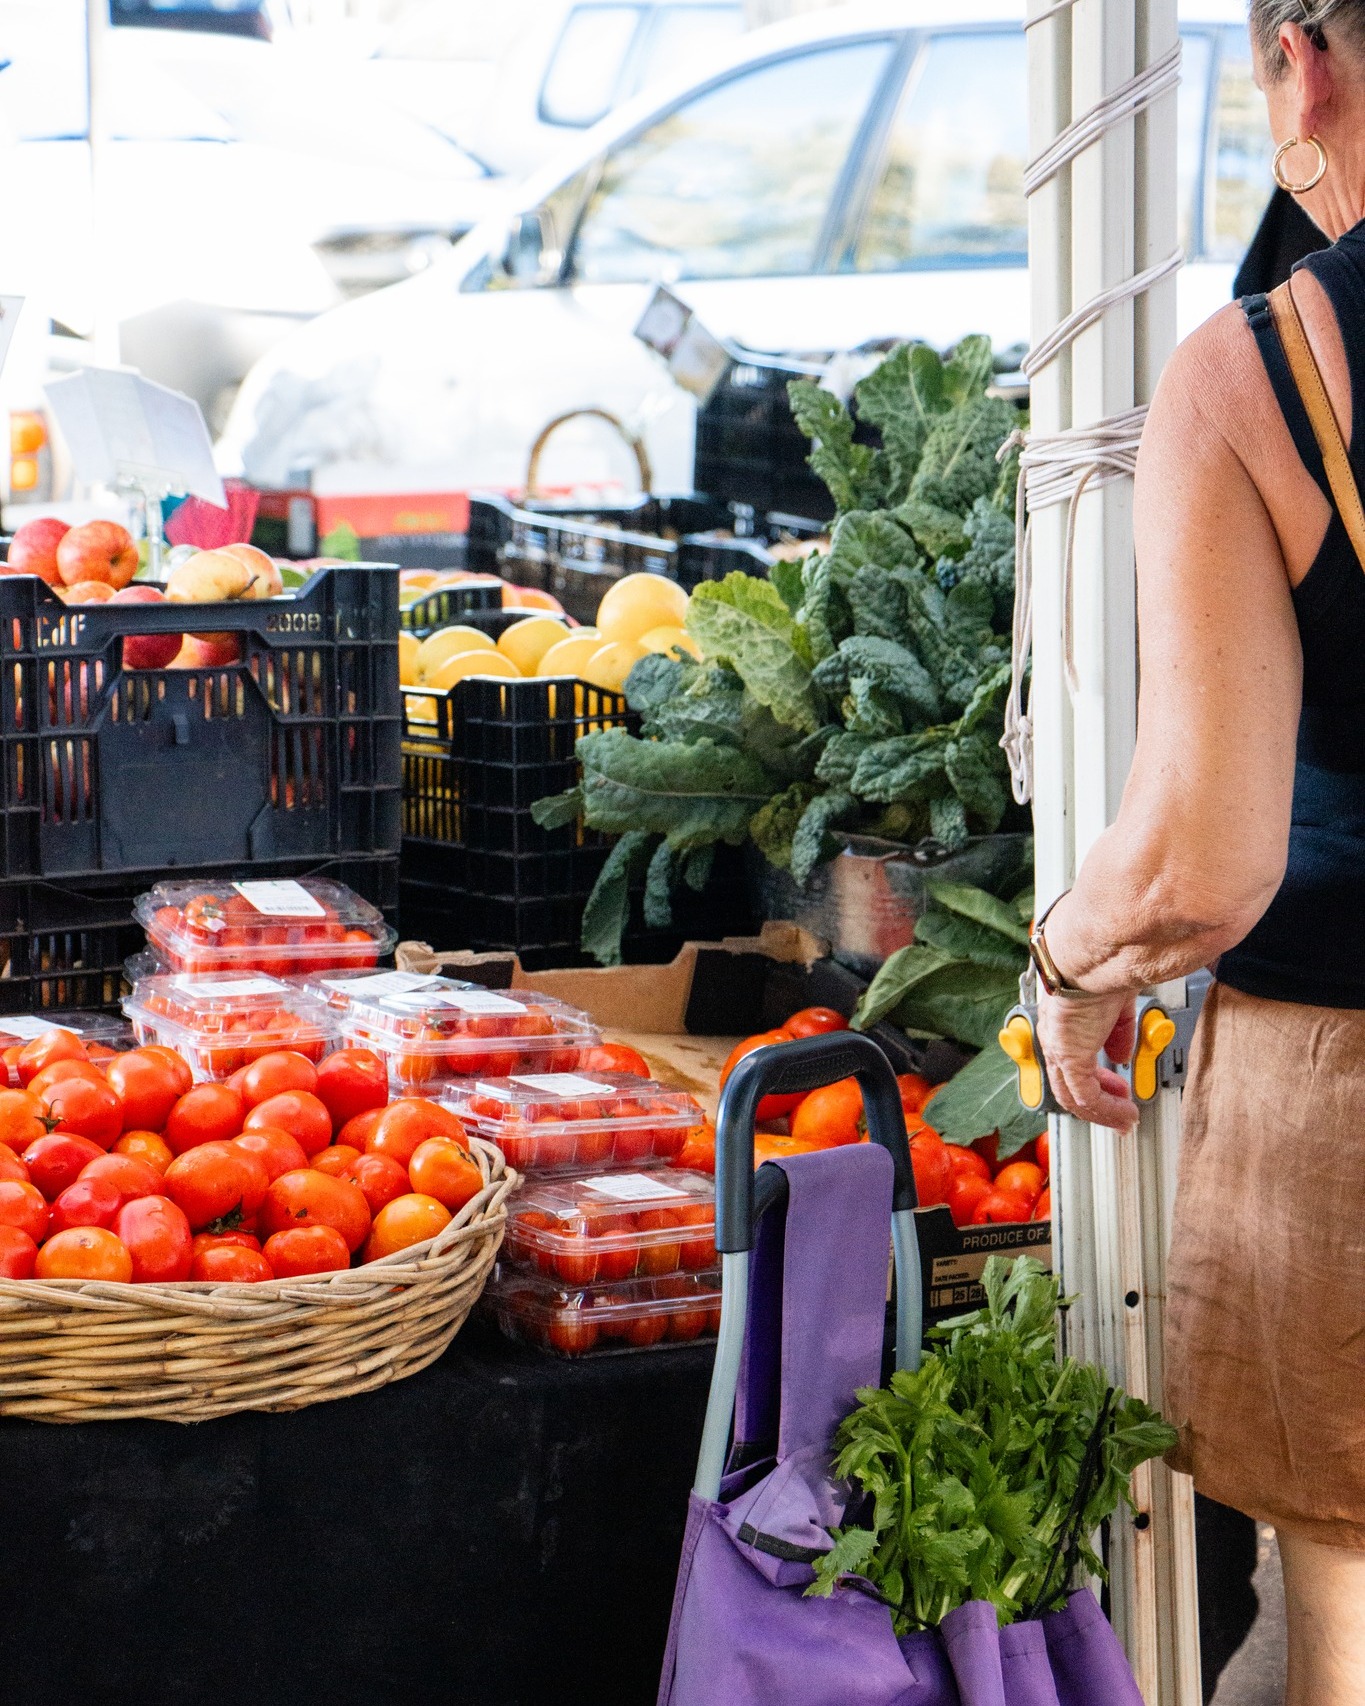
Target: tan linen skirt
pixel 1265 1323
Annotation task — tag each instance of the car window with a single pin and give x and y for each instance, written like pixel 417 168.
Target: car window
pixel 737 181
pixel 680 39
pixel 580 85
pixel 1240 153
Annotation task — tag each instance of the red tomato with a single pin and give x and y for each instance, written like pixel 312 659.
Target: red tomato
pixel 831 1116
pixel 89 1202
pixel 309 1198
pixel 313 1249
pixel 1042 1150
pixel 445 1170
pixel 407 1220
pixel 645 1330
pixel 23 1206
pixel 1042 1209
pixel 42 1051
pixel 929 1159
pixel 965 1191
pixel 915 1092
pixel 572 1332
pixel 963 1160
pixel 21 1119
pixel 358 1130
pixel 158 1239
pixel 58 1160
pixel 773 1146
pixel 11 1167
pixel 699 1250
pixel 213 1240
pixel 698 1150
pixel 275 1073
pixel 298 1112
pixel 148 1146
pixel 216 1181
pixel 815 1022
pixel 210 1113
pixel 280 1152
pixel 84 1253
pixel 17 1253
pixel 664 1255
pixel 230 1264
pixel 337 1160
pixel 381 1178
pixel 404 1126
pixel 1001 1208
pixel 1020 1178
pixel 769 1107
pixel 614 1057
pixel 129 1176
pixel 60 1070
pixel 90 1110
pixel 178 1065
pixel 149 1087
pixel 352 1081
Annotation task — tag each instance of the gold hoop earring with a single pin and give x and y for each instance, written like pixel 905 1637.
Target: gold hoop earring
pixel 1308 184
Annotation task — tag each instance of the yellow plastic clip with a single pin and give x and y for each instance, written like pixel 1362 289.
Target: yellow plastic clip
pixel 1020 1042
pixel 1156 1032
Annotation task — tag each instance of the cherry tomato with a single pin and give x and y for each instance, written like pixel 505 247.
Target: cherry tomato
pixel 831 1116
pixel 963 1160
pixel 988 1148
pixel 230 1264
pixel 381 1178
pixel 445 1170
pixel 358 1129
pixel 815 1022
pixel 158 1238
pixel 216 1181
pixel 275 1073
pixel 337 1160
pixel 128 1174
pixel 915 1091
pixel 352 1081
pixel 1042 1150
pixel 1020 1178
pixel 17 1253
pixel 42 1082
pixel 58 1160
pixel 306 1250
pixel 148 1146
pixel 407 1220
pixel 280 1152
pixel 698 1149
pixel 769 1107
pixel 42 1051
pixel 89 1202
pixel 572 1332
pixel 403 1126
pixel 21 1119
pixel 645 1330
pixel 965 1191
pixel 698 1250
pixel 309 1198
pixel 929 1159
pixel 576 1260
pixel 613 1057
pixel 210 1113
pixel 84 1253
pixel 665 1255
pixel 24 1206
pixel 178 1065
pixel 1001 1208
pixel 298 1112
pixel 149 1087
pixel 1042 1209
pixel 89 1110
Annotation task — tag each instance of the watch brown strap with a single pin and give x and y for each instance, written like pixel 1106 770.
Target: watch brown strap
pixel 1321 415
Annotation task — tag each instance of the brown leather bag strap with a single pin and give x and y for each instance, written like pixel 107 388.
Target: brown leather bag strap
pixel 1321 415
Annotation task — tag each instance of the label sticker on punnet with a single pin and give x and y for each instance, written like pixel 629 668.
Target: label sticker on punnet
pixel 229 986
pixel 24 1025
pixel 281 899
pixel 381 983
pixel 474 1001
pixel 631 1187
pixel 563 1084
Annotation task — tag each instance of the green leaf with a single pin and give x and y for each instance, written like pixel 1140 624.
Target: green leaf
pixel 655 680
pixel 557 810
pixel 895 670
pixel 973 766
pixel 788 576
pixel 961 1000
pixel 900 768
pixel 895 978
pixel 693 792
pixel 984 1097
pixel 974 903
pixel 851 471
pixel 900 399
pixel 948 822
pixel 742 621
pixel 839 760
pixel 343 541
pixel 811 841
pixel 870 710
pixel 659 888
pixel 608 906
pixel 774 826
pixel 961 939
pixel 697 867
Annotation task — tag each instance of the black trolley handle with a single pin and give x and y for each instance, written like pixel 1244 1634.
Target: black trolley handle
pixel 777 1069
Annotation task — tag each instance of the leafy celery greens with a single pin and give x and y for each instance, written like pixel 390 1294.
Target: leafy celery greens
pixel 986 1474
pixel 859 690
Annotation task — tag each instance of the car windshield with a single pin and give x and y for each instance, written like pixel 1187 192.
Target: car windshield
pixel 581 83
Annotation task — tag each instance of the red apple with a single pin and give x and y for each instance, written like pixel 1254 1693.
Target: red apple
pixel 207 651
pixel 33 549
pixel 86 592
pixel 146 651
pixel 267 580
pixel 97 551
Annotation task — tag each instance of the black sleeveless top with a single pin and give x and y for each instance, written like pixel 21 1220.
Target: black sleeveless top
pixel 1310 945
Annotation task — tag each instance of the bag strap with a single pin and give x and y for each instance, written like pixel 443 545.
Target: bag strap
pixel 1326 428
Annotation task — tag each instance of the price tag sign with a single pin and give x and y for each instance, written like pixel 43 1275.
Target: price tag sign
pixel 380 983
pixel 24 1025
pixel 281 899
pixel 122 429
pixel 230 986
pixel 563 1084
pixel 463 1001
pixel 9 320
pixel 630 1187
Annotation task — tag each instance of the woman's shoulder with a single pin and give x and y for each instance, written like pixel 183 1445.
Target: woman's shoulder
pixel 1215 382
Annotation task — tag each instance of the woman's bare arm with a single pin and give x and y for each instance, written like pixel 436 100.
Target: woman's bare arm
pixel 1198 849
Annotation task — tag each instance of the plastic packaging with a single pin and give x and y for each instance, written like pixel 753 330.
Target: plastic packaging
pixel 220 1021
pixel 563 1122
pixel 104 1030
pixel 635 1314
pixel 280 927
pixel 614 1226
pixel 434 1030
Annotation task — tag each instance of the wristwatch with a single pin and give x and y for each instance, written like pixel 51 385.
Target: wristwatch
pixel 1049 976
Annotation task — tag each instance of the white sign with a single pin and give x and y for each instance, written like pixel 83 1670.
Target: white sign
pixel 230 986
pixel 563 1084
pixel 121 428
pixel 463 1000
pixel 24 1026
pixel 9 319
pixel 281 899
pixel 631 1187
pixel 380 983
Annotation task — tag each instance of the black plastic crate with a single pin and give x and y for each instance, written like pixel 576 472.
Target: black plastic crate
pixel 63 945
pixel 292 753
pixel 749 450
pixel 465 602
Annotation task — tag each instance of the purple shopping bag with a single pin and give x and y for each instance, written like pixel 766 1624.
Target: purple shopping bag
pixel 743 1633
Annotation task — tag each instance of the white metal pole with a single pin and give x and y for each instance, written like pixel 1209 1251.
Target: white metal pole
pixel 105 327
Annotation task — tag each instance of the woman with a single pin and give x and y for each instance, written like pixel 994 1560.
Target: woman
pixel 1241 838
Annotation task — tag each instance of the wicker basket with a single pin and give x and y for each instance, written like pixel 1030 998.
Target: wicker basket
pixel 80 1351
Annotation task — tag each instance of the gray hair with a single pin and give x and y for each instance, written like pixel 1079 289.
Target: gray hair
pixel 1267 17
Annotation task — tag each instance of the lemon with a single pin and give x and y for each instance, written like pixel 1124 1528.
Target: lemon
pixel 610 664
pixel 638 603
pixel 465 664
pixel 409 672
pixel 671 640
pixel 421 710
pixel 527 641
pixel 568 657
pixel 448 643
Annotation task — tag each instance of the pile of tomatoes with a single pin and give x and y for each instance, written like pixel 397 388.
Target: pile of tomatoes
pixel 976 1188
pixel 120 1167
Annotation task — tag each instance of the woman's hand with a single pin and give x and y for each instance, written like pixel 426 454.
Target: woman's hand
pixel 1072 1033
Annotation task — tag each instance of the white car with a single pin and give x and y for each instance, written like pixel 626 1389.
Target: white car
pixel 845 177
